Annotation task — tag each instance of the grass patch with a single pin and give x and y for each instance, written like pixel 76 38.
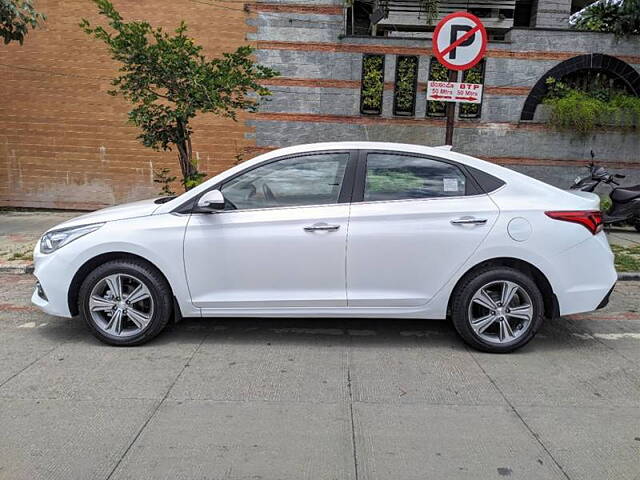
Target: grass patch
pixel 21 256
pixel 627 258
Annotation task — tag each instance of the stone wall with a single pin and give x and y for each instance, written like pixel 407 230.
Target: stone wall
pixel 317 97
pixel 551 13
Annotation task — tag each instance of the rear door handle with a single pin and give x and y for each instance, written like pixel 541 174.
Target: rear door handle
pixel 469 221
pixel 321 227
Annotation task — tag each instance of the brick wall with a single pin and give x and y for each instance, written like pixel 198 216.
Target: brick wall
pixel 64 142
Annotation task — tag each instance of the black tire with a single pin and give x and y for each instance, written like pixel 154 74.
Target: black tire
pixel 636 223
pixel 159 290
pixel 471 284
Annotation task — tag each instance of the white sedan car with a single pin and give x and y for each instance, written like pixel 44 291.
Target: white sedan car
pixel 353 229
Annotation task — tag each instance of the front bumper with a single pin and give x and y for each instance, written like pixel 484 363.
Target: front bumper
pixel 54 275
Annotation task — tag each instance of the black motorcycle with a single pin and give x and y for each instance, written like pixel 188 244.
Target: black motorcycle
pixel 625 202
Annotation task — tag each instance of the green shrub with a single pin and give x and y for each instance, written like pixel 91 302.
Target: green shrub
pixel 628 108
pixel 372 83
pixel 621 18
pixel 582 112
pixel 405 90
pixel 577 111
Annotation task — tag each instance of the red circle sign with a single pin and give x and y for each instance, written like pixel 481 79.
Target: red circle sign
pixel 459 41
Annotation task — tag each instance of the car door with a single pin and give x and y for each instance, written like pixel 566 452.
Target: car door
pixel 280 241
pixel 414 221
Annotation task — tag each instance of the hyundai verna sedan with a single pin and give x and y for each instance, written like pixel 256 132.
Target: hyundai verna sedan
pixel 356 229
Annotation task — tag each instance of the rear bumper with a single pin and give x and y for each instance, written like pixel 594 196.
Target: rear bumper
pixel 584 275
pixel 605 300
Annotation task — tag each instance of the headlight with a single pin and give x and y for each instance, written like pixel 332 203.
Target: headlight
pixel 52 241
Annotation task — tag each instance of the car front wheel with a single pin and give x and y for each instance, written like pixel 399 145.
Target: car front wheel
pixel 125 302
pixel 497 310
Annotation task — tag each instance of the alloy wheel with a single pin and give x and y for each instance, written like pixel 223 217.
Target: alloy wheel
pixel 121 305
pixel 500 312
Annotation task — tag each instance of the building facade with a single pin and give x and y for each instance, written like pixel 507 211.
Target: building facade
pixel 318 96
pixel 65 143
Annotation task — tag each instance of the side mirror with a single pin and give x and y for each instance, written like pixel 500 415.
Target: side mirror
pixel 211 201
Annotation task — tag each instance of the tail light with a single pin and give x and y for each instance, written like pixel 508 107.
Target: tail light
pixel 589 219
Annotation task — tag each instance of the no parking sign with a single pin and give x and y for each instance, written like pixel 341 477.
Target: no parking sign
pixel 459 41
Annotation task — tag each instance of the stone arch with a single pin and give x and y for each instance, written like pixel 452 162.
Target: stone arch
pixel 594 61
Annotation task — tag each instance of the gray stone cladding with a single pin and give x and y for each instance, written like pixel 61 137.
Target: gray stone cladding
pixel 512 68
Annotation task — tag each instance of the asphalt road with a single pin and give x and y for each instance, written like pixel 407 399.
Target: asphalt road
pixel 318 399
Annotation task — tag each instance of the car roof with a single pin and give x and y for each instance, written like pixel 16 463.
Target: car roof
pixel 444 152
pixel 314 147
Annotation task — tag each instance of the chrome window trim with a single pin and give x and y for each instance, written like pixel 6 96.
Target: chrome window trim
pixel 400 200
pixel 426 199
pixel 288 207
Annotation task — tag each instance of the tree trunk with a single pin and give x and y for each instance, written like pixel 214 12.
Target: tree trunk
pixel 184 155
pixel 186 167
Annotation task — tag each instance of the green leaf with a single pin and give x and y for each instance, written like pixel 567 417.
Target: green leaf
pixel 168 81
pixel 621 18
pixel 584 110
pixel 16 16
pixel 372 82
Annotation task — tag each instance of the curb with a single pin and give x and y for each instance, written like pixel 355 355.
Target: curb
pixel 27 268
pixel 628 276
pixel 16 268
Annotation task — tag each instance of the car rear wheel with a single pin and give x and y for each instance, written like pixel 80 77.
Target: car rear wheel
pixel 497 310
pixel 125 302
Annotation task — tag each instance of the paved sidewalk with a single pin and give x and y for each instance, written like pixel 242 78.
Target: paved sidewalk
pixel 625 237
pixel 20 230
pixel 318 399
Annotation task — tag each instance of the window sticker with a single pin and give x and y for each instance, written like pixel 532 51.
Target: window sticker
pixel 450 184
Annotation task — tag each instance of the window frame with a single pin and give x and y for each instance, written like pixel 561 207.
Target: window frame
pixel 344 196
pixel 472 188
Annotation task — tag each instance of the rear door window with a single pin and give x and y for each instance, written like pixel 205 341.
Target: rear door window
pixel 395 176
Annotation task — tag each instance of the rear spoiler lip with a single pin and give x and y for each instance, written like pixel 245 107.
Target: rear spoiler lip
pixel 593 197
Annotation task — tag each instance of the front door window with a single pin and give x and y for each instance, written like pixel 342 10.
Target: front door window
pixel 313 179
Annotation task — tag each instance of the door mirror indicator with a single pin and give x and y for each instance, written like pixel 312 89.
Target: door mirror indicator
pixel 211 201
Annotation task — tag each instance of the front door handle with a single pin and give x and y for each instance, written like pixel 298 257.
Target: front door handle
pixel 321 227
pixel 469 221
